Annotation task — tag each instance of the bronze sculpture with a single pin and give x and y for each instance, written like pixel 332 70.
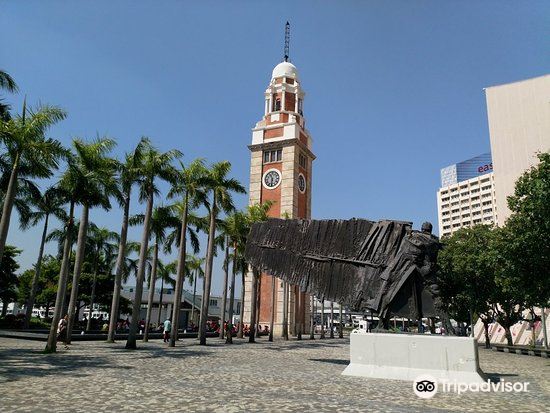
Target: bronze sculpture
pixel 385 266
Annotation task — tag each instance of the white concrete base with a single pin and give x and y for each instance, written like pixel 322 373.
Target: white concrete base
pixel 407 356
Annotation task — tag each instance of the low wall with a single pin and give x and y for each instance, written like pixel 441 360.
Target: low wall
pixel 407 356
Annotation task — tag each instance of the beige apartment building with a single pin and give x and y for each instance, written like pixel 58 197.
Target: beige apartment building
pixel 519 127
pixel 466 203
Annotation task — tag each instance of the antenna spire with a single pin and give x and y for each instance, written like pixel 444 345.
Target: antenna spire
pixel 287 41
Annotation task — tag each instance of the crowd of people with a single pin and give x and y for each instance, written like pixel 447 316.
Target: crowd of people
pixel 123 326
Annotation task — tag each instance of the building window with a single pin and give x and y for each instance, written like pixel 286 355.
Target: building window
pixel 273 156
pixel 276 103
pixel 302 161
pixel 213 302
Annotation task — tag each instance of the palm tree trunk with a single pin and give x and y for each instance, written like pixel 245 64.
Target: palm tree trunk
pixel 240 333
pixel 253 306
pixel 9 198
pixel 322 318
pixel 486 330
pixel 258 303
pixel 180 277
pixel 118 272
pixel 273 306
pixel 61 285
pixel 92 295
pixel 194 296
pixel 208 272
pixel 79 259
pixel 152 281
pixel 331 319
pixel 312 320
pixel 136 305
pixel 285 310
pixel 544 332
pixel 202 297
pixel 224 293
pixel 341 329
pixel 36 277
pixel 298 312
pixel 229 333
pixel 160 300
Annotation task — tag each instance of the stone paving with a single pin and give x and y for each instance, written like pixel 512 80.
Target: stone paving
pixel 283 376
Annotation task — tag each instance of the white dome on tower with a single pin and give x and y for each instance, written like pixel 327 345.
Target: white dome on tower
pixel 285 69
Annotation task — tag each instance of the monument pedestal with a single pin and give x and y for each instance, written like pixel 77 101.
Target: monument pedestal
pixel 407 356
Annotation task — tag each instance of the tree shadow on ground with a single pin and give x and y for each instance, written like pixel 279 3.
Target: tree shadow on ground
pixel 146 352
pixel 299 344
pixel 20 363
pixel 332 361
pixel 496 377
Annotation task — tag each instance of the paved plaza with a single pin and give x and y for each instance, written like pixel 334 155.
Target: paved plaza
pixel 283 376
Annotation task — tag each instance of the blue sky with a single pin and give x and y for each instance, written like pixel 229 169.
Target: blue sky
pixel 394 89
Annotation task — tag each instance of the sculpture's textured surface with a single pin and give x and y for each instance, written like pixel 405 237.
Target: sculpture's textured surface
pixel 383 266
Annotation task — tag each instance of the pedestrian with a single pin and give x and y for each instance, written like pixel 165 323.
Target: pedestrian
pixel 62 330
pixel 167 329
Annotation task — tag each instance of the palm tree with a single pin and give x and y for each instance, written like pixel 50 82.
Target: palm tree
pixel 273 307
pixel 26 188
pixel 48 204
pixel 331 334
pixel 221 188
pixel 322 318
pixel 99 239
pixel 127 177
pixel 225 279
pixel 90 181
pixel 286 292
pixel 165 274
pixel 312 320
pixel 154 165
pixel 62 282
pixel 189 186
pixel 341 327
pixel 25 141
pixel 59 234
pixel 162 219
pixel 256 213
pixel 194 267
pixel 6 83
pixel 236 226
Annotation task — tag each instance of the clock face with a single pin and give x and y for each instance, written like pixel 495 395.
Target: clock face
pixel 302 183
pixel 272 178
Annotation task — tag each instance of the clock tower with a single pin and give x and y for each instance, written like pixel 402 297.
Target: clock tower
pixel 281 171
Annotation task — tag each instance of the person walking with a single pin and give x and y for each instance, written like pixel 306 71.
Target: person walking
pixel 167 329
pixel 62 330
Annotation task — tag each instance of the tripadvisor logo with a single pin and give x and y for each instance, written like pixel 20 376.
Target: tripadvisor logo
pixel 426 386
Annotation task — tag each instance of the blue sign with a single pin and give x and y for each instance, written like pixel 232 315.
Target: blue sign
pixel 480 165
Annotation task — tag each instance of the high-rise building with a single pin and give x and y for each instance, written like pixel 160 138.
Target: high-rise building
pixel 467 195
pixel 519 127
pixel 280 171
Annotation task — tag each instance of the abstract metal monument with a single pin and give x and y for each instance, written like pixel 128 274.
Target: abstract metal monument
pixel 385 266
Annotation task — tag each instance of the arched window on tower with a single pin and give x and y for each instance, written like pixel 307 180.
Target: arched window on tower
pixel 276 103
pixel 300 111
